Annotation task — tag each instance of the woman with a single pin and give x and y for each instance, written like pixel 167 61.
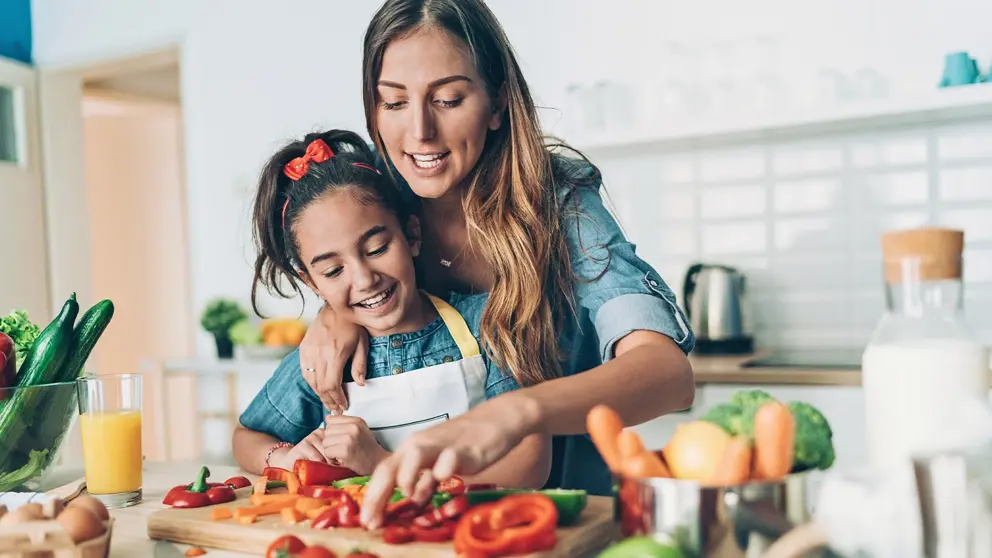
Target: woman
pixel 448 108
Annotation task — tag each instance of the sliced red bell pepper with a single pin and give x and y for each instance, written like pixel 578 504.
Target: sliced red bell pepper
pixel 200 493
pixel 328 492
pixel 454 486
pixel 449 510
pixel 443 532
pixel 397 534
pixel 344 512
pixel 238 482
pixel 289 477
pixel 516 524
pixel 314 473
pixel 401 511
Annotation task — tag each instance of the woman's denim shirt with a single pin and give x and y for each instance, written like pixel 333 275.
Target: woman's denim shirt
pixel 288 409
pixel 616 293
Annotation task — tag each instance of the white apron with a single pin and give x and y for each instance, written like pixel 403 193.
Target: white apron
pixel 396 406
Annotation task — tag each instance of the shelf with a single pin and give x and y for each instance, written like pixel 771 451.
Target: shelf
pixel 940 105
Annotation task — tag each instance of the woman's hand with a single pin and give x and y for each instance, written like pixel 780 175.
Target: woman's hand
pixel 309 448
pixel 324 352
pixel 349 442
pixel 465 445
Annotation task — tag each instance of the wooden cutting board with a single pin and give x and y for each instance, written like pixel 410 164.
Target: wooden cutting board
pixel 593 532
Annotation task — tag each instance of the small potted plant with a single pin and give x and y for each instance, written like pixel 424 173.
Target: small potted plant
pixel 218 317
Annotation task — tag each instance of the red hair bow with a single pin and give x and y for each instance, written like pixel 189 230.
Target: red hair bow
pixel 318 151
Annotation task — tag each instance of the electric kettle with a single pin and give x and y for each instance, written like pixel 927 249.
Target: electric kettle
pixel 714 301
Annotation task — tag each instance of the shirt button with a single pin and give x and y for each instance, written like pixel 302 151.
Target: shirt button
pixel 653 283
pixel 396 342
pixel 397 370
pixel 447 359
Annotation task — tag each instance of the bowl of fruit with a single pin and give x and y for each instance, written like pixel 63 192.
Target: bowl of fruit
pixel 38 371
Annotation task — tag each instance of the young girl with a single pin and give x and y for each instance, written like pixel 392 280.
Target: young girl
pixel 324 216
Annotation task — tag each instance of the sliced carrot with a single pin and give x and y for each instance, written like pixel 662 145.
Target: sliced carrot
pixel 735 464
pixel 246 519
pixel 195 551
pixel 630 444
pixel 269 508
pixel 291 515
pixel 260 485
pixel 305 503
pixel 645 465
pixel 605 426
pixel 315 512
pixel 259 499
pixel 774 441
pixel 218 514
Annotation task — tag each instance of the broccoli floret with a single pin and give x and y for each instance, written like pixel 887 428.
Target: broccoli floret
pixel 727 416
pixel 814 438
pixel 750 398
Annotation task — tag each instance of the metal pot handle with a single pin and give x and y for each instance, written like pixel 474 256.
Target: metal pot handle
pixel 798 542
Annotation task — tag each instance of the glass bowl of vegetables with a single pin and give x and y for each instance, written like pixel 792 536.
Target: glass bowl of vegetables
pixel 34 421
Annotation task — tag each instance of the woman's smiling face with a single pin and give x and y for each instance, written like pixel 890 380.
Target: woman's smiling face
pixel 433 111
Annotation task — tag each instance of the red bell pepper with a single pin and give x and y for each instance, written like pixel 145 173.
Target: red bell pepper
pixel 238 482
pixel 323 492
pixel 401 511
pixel 289 477
pixel 443 532
pixel 200 493
pixel 344 512
pixel 454 486
pixel 314 473
pixel 452 509
pixel 397 534
pixel 516 524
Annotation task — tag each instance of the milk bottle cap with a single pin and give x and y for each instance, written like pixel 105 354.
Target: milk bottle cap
pixel 925 254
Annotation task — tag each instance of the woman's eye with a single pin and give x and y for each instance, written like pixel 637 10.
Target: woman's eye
pixel 449 104
pixel 392 106
pixel 333 272
pixel 380 250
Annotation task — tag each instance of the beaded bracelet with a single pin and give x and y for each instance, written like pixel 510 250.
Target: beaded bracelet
pixel 274 448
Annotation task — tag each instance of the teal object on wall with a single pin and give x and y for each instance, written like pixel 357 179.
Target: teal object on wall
pixel 15 30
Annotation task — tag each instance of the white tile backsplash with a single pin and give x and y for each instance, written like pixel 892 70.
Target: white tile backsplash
pixel 733 201
pixel 803 220
pixel 966 184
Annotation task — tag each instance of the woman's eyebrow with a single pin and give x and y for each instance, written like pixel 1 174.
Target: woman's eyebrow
pixel 435 83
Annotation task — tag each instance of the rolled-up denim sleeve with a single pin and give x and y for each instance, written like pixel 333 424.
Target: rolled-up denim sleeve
pixel 622 292
pixel 286 407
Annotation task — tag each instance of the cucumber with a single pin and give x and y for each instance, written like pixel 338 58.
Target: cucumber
pixel 41 366
pixel 88 331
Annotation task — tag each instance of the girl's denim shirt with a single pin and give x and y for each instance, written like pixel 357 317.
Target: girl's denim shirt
pixel 288 409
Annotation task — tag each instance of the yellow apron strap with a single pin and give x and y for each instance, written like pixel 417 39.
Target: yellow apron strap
pixel 466 342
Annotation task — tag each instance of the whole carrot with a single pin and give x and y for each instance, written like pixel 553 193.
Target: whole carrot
pixel 605 426
pixel 735 464
pixel 630 444
pixel 645 465
pixel 774 441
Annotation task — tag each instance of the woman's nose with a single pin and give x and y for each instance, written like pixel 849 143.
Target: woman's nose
pixel 422 126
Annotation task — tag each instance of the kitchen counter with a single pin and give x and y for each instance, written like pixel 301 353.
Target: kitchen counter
pixel 734 370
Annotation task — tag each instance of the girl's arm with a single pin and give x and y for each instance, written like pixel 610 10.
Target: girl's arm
pixel 325 351
pixel 251 447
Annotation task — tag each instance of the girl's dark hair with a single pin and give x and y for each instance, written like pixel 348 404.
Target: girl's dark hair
pixel 516 197
pixel 281 200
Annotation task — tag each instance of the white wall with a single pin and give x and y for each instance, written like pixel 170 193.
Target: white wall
pixel 254 74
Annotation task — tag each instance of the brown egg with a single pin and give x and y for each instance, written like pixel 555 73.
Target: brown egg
pixel 90 503
pixel 52 508
pixel 81 524
pixel 3 511
pixel 22 514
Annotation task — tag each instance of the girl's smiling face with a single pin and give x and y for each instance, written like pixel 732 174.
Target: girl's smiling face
pixel 434 111
pixel 360 261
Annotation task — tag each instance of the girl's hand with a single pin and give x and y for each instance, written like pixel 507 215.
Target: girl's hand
pixel 308 448
pixel 348 442
pixel 464 445
pixel 324 352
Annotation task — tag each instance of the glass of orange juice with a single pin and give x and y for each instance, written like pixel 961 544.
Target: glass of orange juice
pixel 110 422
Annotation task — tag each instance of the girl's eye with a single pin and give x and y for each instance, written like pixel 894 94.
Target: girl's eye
pixel 333 272
pixel 449 104
pixel 392 106
pixel 380 250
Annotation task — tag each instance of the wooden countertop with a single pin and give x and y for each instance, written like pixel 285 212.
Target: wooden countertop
pixel 733 370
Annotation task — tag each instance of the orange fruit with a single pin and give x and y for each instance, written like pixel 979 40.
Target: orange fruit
pixel 695 450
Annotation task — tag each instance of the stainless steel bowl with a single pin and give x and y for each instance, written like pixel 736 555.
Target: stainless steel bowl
pixel 710 522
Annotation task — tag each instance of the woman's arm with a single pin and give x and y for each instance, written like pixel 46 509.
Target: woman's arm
pixel 251 447
pixel 325 351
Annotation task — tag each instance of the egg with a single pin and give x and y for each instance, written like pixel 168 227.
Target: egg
pixel 81 524
pixel 52 508
pixel 3 511
pixel 22 514
pixel 90 503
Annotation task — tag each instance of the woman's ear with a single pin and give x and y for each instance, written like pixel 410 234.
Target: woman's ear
pixel 413 235
pixel 499 106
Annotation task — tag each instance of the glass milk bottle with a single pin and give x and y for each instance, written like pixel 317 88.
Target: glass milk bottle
pixel 922 360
